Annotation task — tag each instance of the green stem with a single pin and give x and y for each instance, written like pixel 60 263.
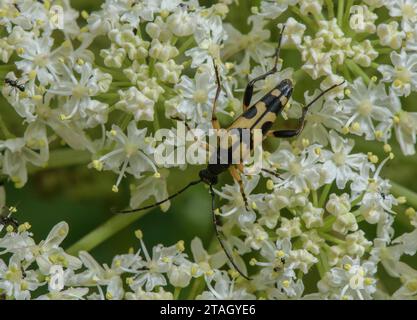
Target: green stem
pixel 187 44
pixel 357 70
pixel 374 65
pixel 328 222
pixel 324 194
pixel 64 158
pixel 346 73
pixel 330 9
pixel 104 232
pixel 7 66
pixel 398 190
pixel 320 268
pixel 196 288
pixel 315 199
pixel 347 12
pixel 309 22
pixel 331 238
pixel 340 9
pixel 4 130
pixel 384 50
pixel 177 293
pixel 324 261
pixel 357 200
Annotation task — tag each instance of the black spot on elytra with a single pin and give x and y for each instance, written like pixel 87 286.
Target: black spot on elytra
pixel 285 133
pixel 250 113
pixel 266 126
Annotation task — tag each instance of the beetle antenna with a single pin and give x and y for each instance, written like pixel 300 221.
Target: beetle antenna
pixel 193 183
pixel 321 95
pixel 216 224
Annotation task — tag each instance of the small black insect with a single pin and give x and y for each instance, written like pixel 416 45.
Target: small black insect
pixel 15 84
pixel 6 218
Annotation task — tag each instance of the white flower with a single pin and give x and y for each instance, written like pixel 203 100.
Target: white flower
pixel 68 294
pixel 51 254
pixel 255 236
pixel 389 35
pixel 317 63
pixel 341 165
pixel 340 208
pixel 311 6
pixel 208 35
pixel 406 9
pixel 37 57
pixel 364 53
pixel 134 46
pixel 405 125
pixel 198 96
pixel 130 154
pixel 32 148
pixel 169 71
pixel 162 51
pixel 97 275
pixel 271 9
pixel 181 23
pixel 300 172
pixel 113 57
pixel 403 74
pixel 366 104
pixel 79 91
pixel 294 32
pixel 312 217
pixel 15 281
pixel 321 116
pixel 224 289
pixel 141 294
pixel 274 261
pixel 289 228
pixel 97 113
pixel 135 102
pixel 253 43
pixel 352 280
pixel 235 208
pixel 357 244
pixel 151 275
pixel 312 242
pixel 205 263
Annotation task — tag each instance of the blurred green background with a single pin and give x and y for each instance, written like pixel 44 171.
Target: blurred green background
pixel 83 197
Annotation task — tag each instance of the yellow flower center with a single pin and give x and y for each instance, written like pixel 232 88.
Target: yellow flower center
pixel 365 108
pixel 295 168
pixel 200 96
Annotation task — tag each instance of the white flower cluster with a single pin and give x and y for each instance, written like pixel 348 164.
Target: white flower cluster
pixel 119 74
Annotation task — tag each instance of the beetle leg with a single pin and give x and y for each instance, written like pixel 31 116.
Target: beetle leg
pixel 249 88
pixel 272 173
pixel 295 132
pixel 240 167
pixel 220 235
pixel 236 176
pixel 285 133
pixel 214 120
pixel 182 120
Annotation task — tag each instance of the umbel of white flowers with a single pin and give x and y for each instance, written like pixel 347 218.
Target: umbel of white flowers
pixel 154 71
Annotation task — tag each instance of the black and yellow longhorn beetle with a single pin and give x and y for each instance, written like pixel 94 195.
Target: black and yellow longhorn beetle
pixel 261 115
